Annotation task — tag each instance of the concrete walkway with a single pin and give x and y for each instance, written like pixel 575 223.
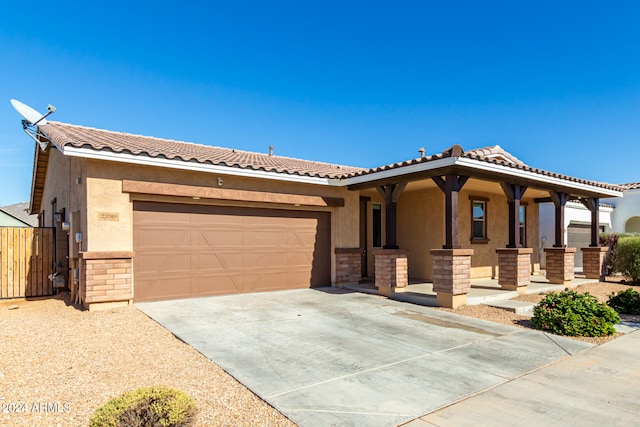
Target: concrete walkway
pixel 595 388
pixel 330 357
pixel 483 290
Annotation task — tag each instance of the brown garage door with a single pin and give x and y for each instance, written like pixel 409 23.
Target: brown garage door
pixel 189 250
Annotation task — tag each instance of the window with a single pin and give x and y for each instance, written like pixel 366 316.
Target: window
pixel 376 222
pixel 523 226
pixel 479 220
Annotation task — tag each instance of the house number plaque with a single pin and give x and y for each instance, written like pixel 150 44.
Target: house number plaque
pixel 108 216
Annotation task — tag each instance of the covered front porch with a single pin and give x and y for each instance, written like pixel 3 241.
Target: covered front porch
pixel 458 227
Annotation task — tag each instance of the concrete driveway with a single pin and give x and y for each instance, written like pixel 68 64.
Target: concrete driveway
pixel 330 357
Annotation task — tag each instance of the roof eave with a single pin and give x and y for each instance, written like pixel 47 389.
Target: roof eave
pixel 413 172
pixel 479 169
pixel 145 160
pixel 542 180
pixel 40 160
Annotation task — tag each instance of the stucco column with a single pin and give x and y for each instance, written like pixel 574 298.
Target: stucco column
pixel 560 263
pixel 391 270
pixel 514 269
pixel 348 266
pixel 451 276
pixel 593 261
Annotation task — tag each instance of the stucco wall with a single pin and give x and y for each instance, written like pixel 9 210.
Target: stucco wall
pixel 626 207
pixel 421 228
pixel 63 173
pixel 420 217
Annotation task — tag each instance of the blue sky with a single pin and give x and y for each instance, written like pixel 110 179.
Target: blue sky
pixel 359 83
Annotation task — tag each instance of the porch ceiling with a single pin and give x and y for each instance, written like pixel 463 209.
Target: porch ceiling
pixel 474 184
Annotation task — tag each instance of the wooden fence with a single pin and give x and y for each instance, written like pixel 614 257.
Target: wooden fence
pixel 26 258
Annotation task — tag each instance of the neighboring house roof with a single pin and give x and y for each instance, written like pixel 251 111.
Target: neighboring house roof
pixel 19 212
pixel 630 185
pixel 602 205
pixel 66 135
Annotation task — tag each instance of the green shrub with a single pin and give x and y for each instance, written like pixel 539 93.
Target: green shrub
pixel 573 314
pixel 148 406
pixel 627 301
pixel 628 257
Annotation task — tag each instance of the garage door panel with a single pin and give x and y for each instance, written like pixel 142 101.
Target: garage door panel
pixel 217 284
pixel 307 239
pixel 274 281
pixel 219 238
pixel 223 250
pixel 155 288
pixel 222 261
pixel 299 259
pixel 206 219
pixel 210 262
pixel 159 263
pixel 265 238
pixel 157 237
pixel 299 276
pixel 263 259
pixel 169 218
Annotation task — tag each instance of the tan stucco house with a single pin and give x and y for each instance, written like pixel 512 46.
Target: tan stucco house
pixel 142 219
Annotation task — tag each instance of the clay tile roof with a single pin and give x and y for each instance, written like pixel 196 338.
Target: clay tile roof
pixel 630 185
pixel 494 154
pixel 65 135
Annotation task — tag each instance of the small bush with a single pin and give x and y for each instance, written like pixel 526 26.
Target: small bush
pixel 628 257
pixel 573 314
pixel 626 302
pixel 149 406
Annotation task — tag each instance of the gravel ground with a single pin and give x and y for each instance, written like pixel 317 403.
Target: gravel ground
pixel 53 353
pixel 601 290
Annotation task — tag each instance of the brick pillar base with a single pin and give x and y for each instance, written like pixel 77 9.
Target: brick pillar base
pixel 106 279
pixel 560 265
pixel 593 262
pixel 392 274
pixel 451 276
pixel 348 266
pixel 514 269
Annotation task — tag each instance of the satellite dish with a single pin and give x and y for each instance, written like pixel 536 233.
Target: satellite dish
pixel 32 118
pixel 30 114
